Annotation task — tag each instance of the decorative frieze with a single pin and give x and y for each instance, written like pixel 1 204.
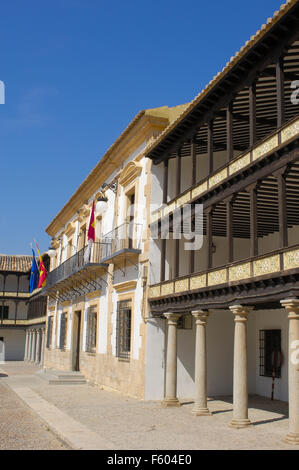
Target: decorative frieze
pixel 216 179
pixel 241 271
pixel 239 164
pixel 198 282
pixel 183 199
pixel 265 147
pixel 217 277
pixel 266 265
pixel 201 188
pixel 154 291
pixel 167 289
pixel 290 131
pixel 181 285
pixel 291 259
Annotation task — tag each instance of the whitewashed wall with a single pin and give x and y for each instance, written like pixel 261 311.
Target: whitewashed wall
pixel 14 344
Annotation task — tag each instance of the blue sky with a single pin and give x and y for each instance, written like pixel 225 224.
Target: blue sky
pixel 77 71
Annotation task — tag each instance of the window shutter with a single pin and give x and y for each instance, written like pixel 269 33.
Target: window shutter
pixel 62 331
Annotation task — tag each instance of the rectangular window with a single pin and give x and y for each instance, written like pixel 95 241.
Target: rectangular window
pixel 4 312
pixel 63 331
pixel 91 331
pixel 270 353
pixel 123 329
pixel 49 332
pixel 185 322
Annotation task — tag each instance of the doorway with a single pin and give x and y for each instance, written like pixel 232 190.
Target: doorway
pixel 76 341
pixel 2 349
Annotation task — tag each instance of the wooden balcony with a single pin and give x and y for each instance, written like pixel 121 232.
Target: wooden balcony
pixel 265 278
pixel 272 143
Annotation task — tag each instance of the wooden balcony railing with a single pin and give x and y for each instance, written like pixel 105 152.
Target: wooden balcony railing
pixel 268 265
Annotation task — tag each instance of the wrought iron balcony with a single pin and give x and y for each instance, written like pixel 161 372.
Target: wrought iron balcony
pixel 124 240
pixel 76 264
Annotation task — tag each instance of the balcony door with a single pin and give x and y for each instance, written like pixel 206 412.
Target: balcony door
pixel 131 202
pixel 76 341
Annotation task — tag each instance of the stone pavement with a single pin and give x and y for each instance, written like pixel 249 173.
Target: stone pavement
pixel 87 417
pixel 20 428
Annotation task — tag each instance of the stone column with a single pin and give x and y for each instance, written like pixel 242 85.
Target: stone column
pixel 43 347
pixel 240 413
pixel 38 346
pixel 33 345
pixel 26 346
pixel 292 307
pixel 171 361
pixel 200 406
pixel 29 346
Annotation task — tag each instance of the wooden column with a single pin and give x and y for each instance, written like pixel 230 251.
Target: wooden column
pixel 282 207
pixel 18 286
pixel 229 131
pixel 252 114
pixel 230 229
pixel 165 181
pixel 163 241
pixel 210 146
pixel 193 157
pixel 178 173
pixel 163 255
pixel 209 213
pixel 253 219
pixel 4 283
pixel 192 252
pixel 177 230
pixel 280 92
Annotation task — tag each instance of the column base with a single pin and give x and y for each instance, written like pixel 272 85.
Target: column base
pixel 197 411
pixel 292 438
pixel 170 402
pixel 240 423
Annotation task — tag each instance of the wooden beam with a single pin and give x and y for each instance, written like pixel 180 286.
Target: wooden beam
pixel 230 228
pixel 178 172
pixel 280 92
pixel 209 233
pixel 252 114
pixel 253 219
pixel 282 207
pixel 229 132
pixel 163 255
pixel 193 156
pixel 165 181
pixel 210 146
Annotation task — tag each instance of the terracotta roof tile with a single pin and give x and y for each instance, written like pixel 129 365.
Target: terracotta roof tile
pixel 15 263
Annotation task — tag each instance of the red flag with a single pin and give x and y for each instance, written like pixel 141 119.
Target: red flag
pixel 91 229
pixel 42 270
pixel 42 275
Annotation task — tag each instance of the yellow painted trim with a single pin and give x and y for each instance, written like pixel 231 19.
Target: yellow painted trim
pixel 124 286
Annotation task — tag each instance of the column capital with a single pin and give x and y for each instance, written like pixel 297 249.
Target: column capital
pixel 201 316
pixel 292 307
pixel 172 318
pixel 240 312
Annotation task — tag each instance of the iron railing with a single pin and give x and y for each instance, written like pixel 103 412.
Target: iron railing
pixel 125 237
pixel 37 308
pixel 75 262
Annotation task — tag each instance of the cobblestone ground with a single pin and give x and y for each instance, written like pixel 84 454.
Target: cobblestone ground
pixel 20 428
pixel 135 424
